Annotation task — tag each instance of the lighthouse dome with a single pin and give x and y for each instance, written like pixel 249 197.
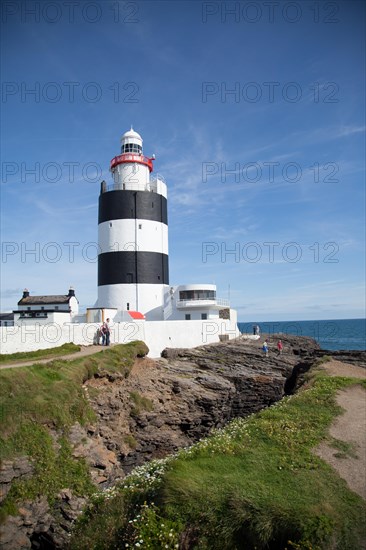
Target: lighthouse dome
pixel 131 134
pixel 131 142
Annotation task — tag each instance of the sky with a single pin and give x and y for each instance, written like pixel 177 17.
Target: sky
pixel 255 112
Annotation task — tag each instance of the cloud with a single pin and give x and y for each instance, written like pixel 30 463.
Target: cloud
pixel 11 292
pixel 345 131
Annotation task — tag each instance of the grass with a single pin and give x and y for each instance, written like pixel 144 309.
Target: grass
pixel 254 485
pixel 140 403
pixel 345 450
pixel 130 441
pixel 268 488
pixel 42 399
pixel 38 354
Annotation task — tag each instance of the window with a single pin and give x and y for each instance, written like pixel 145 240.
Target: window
pixel 28 308
pixel 132 148
pixel 203 316
pixel 56 307
pixel 140 225
pixel 110 224
pixel 42 307
pixel 197 295
pixel 188 316
pixel 128 306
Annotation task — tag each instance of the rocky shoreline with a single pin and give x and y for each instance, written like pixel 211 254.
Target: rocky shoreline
pixel 162 406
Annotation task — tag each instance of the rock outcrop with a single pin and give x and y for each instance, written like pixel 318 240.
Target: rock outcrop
pixel 163 405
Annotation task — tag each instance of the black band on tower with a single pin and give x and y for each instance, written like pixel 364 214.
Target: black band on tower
pixel 132 267
pixel 140 205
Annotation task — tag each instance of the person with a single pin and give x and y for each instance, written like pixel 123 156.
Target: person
pixel 265 348
pixel 98 335
pixel 106 331
pixel 102 333
pixel 279 347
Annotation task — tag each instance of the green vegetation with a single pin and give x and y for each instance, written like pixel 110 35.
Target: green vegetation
pixel 39 354
pixel 140 403
pixel 54 469
pixel 255 484
pixel 345 449
pixel 130 441
pixel 38 405
pixel 324 359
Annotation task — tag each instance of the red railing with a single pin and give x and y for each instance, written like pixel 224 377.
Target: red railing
pixel 131 157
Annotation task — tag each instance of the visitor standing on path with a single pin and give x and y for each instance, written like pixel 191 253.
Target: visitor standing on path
pixel 101 334
pixel 106 333
pixel 265 348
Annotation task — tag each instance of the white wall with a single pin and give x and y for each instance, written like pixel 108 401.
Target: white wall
pixel 149 299
pixel 132 234
pixel 156 334
pixel 186 334
pixel 59 317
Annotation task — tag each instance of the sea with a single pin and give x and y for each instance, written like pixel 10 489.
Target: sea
pixel 338 334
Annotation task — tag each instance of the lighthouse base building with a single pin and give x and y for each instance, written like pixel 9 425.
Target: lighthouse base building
pixel 134 291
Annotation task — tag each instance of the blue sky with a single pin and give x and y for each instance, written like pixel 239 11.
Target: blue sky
pixel 255 112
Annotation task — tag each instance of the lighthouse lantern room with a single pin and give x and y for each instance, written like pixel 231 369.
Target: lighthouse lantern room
pixel 133 234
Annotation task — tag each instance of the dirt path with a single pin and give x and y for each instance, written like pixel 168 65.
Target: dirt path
pixel 350 427
pixel 85 350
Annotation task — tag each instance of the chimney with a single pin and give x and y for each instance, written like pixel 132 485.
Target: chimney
pixel 25 293
pixel 71 291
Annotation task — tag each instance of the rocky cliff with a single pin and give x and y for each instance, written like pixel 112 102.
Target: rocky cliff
pixel 161 406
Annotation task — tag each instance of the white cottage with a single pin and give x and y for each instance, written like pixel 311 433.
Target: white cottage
pixel 46 309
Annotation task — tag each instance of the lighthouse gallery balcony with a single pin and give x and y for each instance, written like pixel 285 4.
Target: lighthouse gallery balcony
pixel 156 184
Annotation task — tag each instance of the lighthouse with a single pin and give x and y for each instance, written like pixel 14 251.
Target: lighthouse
pixel 133 272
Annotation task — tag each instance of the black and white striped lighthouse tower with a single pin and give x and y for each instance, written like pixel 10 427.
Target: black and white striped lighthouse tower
pixel 133 234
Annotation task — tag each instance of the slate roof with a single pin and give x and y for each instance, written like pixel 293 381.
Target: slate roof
pixel 42 300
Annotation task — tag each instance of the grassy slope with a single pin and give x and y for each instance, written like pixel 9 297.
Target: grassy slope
pixel 253 485
pixel 37 398
pixel 39 354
